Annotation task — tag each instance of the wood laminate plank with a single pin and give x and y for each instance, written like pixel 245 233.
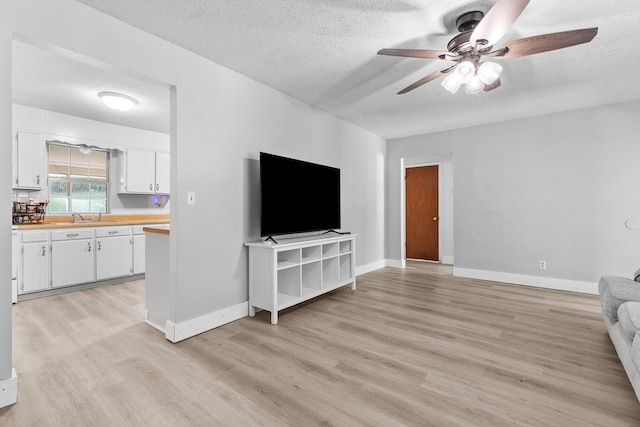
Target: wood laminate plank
pixel 410 347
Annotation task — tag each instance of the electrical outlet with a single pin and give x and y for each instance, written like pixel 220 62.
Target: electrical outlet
pixel 542 265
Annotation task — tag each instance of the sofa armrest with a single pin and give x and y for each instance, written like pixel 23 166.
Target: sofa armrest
pixel 616 290
pixel 629 317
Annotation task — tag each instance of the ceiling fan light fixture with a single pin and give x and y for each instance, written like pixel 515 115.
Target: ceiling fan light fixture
pixel 118 101
pixel 451 82
pixel 466 70
pixel 474 85
pixel 478 34
pixel 488 72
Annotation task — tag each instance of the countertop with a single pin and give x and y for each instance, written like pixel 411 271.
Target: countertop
pixel 161 229
pixel 65 221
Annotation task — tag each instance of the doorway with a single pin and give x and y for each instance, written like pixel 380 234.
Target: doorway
pixel 422 210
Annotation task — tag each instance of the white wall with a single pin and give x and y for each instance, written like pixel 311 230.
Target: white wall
pixel 557 188
pixel 78 130
pixel 105 135
pixel 5 194
pixel 220 122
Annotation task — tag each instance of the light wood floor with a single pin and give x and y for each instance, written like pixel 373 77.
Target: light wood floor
pixel 408 347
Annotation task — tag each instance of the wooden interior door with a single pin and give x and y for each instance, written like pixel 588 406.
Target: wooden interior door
pixel 422 213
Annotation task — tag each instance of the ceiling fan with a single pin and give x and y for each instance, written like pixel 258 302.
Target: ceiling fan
pixel 478 34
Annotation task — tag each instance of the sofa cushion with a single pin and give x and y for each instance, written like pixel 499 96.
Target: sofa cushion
pixel 616 290
pixel 635 352
pixel 629 317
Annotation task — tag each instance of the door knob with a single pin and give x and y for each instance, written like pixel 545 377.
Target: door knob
pixel 435 218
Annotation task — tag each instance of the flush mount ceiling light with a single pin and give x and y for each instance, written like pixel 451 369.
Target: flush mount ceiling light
pixel 475 43
pixel 118 101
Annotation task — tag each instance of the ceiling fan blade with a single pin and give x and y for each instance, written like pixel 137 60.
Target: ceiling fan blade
pixel 497 21
pixel 413 53
pixel 547 42
pixel 492 86
pixel 426 79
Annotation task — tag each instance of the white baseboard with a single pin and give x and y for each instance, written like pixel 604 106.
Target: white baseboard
pixel 447 260
pixel 536 281
pixel 158 327
pixel 396 263
pixel 175 332
pixel 9 390
pixel 370 267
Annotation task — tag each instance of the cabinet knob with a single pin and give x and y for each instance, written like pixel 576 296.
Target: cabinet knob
pixel 150 187
pixel 99 246
pixel 89 244
pixel 44 250
pixel 157 187
pixel 38 179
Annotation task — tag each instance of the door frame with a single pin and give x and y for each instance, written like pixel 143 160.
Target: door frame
pixel 403 208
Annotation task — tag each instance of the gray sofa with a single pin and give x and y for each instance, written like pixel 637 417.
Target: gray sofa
pixel 620 299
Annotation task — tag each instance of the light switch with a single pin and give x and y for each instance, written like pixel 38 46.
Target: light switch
pixel 191 197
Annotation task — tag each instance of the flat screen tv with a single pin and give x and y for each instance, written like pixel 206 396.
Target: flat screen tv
pixel 297 196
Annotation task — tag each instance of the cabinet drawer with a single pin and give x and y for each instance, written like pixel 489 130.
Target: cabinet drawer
pixel 34 236
pixel 71 234
pixel 113 231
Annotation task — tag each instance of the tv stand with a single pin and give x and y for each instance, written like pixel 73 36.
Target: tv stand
pixel 297 270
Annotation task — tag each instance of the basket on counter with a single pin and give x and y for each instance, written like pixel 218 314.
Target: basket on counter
pixel 29 213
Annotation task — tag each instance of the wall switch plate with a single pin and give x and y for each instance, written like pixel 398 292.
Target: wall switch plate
pixel 191 197
pixel 542 265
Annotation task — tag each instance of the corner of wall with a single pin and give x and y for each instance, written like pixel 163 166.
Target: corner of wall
pixel 396 263
pixel 9 390
pixel 363 269
pixel 175 332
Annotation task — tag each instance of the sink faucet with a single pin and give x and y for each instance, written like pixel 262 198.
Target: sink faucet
pixel 73 216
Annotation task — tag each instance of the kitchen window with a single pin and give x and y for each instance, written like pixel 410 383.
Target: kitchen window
pixel 78 181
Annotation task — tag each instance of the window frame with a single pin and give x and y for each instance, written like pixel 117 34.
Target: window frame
pixel 69 180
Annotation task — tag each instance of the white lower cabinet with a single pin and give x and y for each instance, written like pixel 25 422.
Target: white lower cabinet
pixel 114 252
pixel 57 258
pixel 35 268
pixel 138 250
pixel 72 257
pixel 33 273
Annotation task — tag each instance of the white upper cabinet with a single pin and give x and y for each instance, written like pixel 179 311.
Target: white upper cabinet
pixel 162 173
pixel 30 168
pixel 143 171
pixel 139 171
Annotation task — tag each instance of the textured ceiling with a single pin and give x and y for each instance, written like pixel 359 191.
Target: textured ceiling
pixel 323 52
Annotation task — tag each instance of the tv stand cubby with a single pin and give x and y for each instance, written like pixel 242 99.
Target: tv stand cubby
pixel 296 270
